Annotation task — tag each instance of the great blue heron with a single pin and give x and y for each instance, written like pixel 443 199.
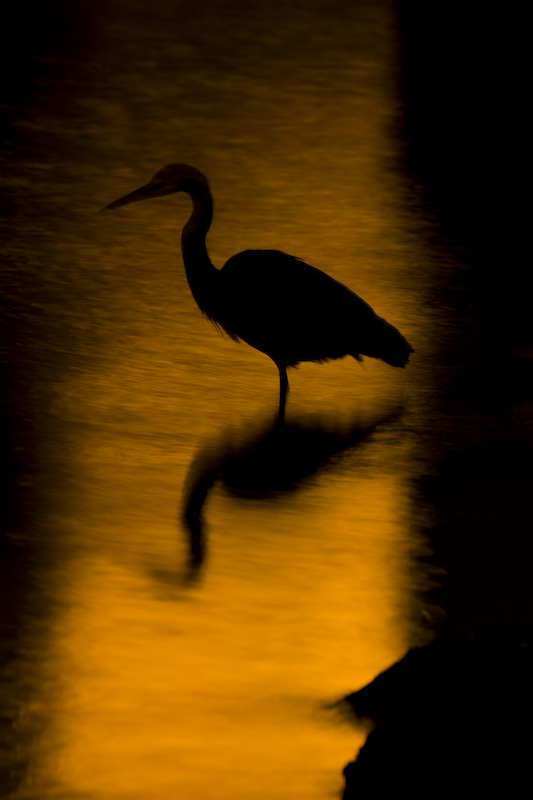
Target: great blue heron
pixel 274 302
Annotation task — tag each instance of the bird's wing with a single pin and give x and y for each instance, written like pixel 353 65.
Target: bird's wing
pixel 288 309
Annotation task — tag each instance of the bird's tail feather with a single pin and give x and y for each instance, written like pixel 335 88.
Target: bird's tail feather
pixel 387 343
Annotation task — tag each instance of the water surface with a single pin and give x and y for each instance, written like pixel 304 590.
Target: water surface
pixel 152 654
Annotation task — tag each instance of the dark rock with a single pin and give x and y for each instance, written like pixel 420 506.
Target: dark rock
pixel 454 716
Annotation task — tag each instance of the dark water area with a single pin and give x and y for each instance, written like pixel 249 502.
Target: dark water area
pixel 463 83
pixel 463 79
pixel 187 588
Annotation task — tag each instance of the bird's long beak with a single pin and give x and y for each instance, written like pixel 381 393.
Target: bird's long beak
pixel 144 193
pixel 155 188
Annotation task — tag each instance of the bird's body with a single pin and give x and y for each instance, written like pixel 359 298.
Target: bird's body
pixel 294 312
pixel 276 303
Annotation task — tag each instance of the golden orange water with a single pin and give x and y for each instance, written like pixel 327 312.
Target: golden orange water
pixel 135 678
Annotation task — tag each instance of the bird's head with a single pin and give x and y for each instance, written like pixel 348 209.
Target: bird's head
pixel 170 179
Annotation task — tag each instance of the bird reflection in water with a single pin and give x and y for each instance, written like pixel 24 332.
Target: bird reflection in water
pixel 267 462
pixel 276 303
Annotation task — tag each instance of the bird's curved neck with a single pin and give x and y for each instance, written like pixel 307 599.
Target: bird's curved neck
pixel 201 274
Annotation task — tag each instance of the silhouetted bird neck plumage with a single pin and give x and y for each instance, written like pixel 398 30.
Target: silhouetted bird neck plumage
pixel 274 302
pixel 201 274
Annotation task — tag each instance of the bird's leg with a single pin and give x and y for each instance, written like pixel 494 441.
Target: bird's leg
pixel 283 391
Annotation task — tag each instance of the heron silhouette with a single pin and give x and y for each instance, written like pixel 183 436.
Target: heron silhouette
pixel 275 302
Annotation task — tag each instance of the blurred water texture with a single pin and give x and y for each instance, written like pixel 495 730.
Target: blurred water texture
pixel 188 590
